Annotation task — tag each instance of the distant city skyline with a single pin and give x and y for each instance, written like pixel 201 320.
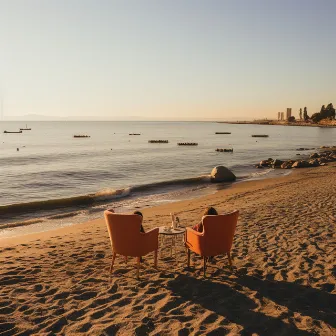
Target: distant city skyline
pixel 168 60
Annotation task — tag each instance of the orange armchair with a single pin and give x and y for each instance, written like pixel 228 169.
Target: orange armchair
pixel 126 238
pixel 216 238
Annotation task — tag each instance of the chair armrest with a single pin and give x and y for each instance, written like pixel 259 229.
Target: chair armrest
pixel 194 232
pixel 194 241
pixel 154 232
pixel 150 240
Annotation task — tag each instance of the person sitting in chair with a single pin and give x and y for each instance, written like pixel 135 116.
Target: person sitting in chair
pixel 142 230
pixel 140 214
pixel 199 227
pixel 209 211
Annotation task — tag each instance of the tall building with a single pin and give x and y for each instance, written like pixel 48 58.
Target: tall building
pixel 289 113
pixel 282 116
pixel 279 115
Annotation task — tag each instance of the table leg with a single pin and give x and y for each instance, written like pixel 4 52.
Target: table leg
pixel 162 238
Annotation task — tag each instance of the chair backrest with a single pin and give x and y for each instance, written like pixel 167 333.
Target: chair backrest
pixel 124 232
pixel 218 232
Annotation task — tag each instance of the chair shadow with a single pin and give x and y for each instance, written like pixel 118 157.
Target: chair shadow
pixel 318 304
pixel 231 304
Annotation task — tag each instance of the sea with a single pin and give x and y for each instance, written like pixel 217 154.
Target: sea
pixel 50 179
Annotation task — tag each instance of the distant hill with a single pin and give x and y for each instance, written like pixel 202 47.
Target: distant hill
pixel 31 117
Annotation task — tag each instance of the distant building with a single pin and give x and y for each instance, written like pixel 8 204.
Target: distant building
pixel 289 113
pixel 282 117
pixel 279 115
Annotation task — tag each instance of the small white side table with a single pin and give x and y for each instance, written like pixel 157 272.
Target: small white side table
pixel 173 234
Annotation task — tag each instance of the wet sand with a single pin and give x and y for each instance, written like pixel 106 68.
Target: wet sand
pixel 284 254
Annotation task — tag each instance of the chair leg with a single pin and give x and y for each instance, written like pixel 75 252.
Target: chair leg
pixel 155 258
pixel 204 265
pixel 138 268
pixel 230 261
pixel 113 258
pixel 188 258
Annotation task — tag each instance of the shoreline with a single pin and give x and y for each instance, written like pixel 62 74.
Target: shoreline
pixel 57 220
pixel 227 190
pixel 57 282
pixel 277 123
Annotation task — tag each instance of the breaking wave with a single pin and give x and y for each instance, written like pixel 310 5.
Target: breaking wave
pixel 101 196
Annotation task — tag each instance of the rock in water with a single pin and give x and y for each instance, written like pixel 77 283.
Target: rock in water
pixel 264 163
pixel 300 164
pixel 314 163
pixel 277 163
pixel 222 174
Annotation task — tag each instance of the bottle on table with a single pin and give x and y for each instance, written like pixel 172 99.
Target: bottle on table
pixel 173 225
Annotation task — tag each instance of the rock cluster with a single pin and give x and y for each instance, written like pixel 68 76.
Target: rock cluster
pixel 315 160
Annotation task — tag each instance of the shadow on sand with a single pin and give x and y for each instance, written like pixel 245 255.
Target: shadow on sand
pixel 236 307
pixel 308 301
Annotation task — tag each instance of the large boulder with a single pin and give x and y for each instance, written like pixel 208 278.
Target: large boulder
pixel 222 174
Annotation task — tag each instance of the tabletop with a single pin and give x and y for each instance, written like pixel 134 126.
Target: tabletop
pixel 165 230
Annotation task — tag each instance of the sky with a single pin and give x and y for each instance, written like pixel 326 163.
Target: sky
pixel 174 59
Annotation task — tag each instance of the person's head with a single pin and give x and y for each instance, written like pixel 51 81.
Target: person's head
pixel 138 213
pixel 210 211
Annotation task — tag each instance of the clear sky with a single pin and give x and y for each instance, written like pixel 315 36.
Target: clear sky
pixel 166 59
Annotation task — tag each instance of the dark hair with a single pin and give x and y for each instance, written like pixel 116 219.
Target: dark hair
pixel 210 211
pixel 138 213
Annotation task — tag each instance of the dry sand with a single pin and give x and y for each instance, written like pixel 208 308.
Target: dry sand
pixel 284 255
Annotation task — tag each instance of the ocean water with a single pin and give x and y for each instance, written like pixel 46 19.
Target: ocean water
pixel 44 169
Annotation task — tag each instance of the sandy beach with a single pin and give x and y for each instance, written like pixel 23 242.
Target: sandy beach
pixel 57 282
